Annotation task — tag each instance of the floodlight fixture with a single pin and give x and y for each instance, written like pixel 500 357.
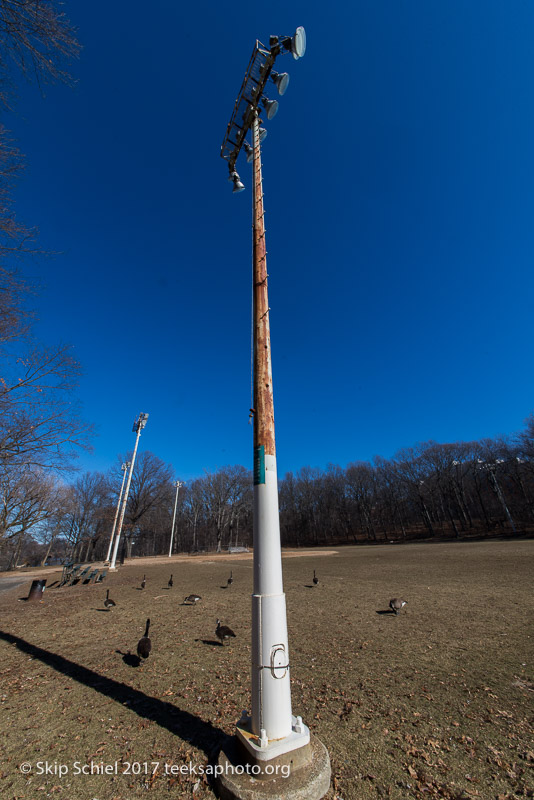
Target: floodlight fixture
pixel 249 150
pixel 298 43
pixel 270 106
pixel 238 185
pixel 251 99
pixel 295 44
pixel 140 422
pixel 281 81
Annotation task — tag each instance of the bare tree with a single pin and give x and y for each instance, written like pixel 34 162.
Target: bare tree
pixel 150 488
pixel 15 237
pixel 223 492
pixel 28 498
pixel 194 511
pixel 91 511
pixel 39 424
pixel 36 41
pixel 15 318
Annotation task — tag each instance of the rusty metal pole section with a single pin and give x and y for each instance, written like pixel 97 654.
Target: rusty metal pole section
pixel 124 469
pixel 271 692
pixel 271 731
pixel 138 426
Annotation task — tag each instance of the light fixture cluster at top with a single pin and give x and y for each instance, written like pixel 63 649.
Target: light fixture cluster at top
pixel 252 97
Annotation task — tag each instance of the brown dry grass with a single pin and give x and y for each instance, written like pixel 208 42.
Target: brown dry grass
pixel 432 703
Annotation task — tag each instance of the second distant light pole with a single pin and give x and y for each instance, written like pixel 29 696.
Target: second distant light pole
pixel 125 467
pixel 178 484
pixel 138 426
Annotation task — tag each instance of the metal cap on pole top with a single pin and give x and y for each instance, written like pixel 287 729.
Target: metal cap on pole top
pixel 271 734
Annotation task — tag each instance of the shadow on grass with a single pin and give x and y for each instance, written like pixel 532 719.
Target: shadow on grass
pixel 188 727
pixel 211 642
pixel 388 612
pixel 130 659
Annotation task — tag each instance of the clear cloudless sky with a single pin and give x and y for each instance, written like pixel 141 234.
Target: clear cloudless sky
pixel 399 196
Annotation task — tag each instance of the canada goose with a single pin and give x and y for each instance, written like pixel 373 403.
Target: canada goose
pixel 108 602
pixel 143 582
pixel 315 579
pixel 144 645
pixel 170 584
pixel 192 598
pixel 396 604
pixel 230 579
pixel 223 632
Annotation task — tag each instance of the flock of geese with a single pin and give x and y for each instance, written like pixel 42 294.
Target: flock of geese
pixel 222 632
pixel 144 645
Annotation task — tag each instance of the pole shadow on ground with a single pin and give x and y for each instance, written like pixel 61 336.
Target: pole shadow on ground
pixel 197 732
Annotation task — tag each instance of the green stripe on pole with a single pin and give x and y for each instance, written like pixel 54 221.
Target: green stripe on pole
pixel 259 465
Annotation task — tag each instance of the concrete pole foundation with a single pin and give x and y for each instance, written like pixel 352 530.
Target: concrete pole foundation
pixel 301 774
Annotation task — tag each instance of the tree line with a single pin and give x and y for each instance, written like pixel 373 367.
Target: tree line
pixel 429 491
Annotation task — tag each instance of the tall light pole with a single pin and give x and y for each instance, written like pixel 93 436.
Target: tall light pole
pixel 138 426
pixel 177 484
pixel 124 469
pixel 491 468
pixel 271 732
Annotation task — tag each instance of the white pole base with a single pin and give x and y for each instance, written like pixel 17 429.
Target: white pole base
pixel 263 749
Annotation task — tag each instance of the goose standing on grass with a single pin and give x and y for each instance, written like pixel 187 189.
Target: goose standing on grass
pixel 315 579
pixel 192 598
pixel 143 582
pixel 108 602
pixel 223 632
pixel 170 583
pixel 230 579
pixel 396 604
pixel 144 645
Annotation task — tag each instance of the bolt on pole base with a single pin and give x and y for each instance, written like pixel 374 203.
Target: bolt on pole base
pixel 302 774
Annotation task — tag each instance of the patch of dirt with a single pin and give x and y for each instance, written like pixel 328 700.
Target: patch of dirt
pixel 435 702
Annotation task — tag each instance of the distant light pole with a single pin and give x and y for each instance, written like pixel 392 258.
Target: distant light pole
pixel 271 732
pixel 177 485
pixel 138 426
pixel 491 469
pixel 124 468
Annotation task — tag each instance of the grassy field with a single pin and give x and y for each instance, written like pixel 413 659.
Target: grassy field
pixel 433 703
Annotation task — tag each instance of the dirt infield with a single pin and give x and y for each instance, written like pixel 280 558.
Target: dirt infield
pixel 435 702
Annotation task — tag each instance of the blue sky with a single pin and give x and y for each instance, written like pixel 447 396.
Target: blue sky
pixel 399 188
